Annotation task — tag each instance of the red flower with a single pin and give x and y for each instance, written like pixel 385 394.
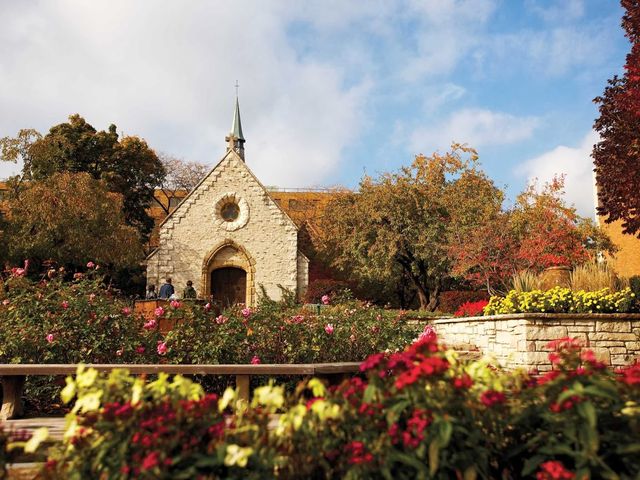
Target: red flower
pixel 490 398
pixel 463 382
pixel 150 461
pixel 358 453
pixel 372 361
pixel 554 470
pixel 631 374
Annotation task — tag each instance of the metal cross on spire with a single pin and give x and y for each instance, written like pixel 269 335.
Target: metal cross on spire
pixel 237 87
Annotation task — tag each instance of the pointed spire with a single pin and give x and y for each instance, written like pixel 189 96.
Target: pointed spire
pixel 235 140
pixel 236 126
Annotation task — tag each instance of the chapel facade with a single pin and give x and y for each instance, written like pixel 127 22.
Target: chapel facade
pixel 229 237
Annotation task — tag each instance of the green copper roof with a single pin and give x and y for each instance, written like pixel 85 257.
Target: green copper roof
pixel 236 127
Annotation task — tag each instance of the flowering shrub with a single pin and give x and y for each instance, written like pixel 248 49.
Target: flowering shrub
pixel 471 309
pixel 449 301
pixel 276 333
pixel 122 428
pixel 56 322
pixel 418 413
pixel 563 300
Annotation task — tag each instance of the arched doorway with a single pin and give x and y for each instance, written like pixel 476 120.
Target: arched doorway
pixel 228 286
pixel 228 273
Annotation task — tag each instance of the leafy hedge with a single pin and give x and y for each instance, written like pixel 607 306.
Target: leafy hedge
pixel 419 413
pixel 83 321
pixel 563 300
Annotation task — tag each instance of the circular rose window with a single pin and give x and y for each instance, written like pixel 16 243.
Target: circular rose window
pixel 231 212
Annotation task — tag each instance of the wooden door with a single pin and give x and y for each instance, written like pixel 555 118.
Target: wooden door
pixel 228 286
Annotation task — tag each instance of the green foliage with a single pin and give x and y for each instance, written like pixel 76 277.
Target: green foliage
pixel 52 321
pixel 398 228
pixel 127 165
pixel 160 429
pixel 563 300
pixel 278 333
pixel 420 413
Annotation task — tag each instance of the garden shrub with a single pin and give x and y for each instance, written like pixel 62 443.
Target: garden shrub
pixel 273 334
pixel 318 288
pixel 471 309
pixel 52 321
pixel 418 413
pixel 450 300
pixel 563 300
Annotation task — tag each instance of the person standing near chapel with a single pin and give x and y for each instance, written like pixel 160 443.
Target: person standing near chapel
pixel 189 292
pixel 166 290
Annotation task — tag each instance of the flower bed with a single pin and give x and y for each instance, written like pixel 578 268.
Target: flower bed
pixel 419 413
pixel 563 300
pixel 57 322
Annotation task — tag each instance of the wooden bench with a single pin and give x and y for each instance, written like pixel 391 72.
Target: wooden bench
pixel 13 375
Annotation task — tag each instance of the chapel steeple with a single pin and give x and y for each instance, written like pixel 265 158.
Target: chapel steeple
pixel 235 140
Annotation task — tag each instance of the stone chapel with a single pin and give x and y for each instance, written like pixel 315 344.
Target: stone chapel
pixel 229 237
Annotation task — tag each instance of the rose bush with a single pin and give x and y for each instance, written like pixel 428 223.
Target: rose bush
pixel 275 333
pixel 52 321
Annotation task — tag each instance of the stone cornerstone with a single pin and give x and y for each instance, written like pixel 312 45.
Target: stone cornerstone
pixel 229 238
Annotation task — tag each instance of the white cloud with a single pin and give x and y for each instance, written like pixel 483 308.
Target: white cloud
pixel 476 127
pixel 573 162
pixel 165 71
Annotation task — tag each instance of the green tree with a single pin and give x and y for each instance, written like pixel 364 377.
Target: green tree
pixel 127 165
pixel 401 225
pixel 72 219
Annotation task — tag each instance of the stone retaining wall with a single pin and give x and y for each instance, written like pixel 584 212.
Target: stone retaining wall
pixel 519 340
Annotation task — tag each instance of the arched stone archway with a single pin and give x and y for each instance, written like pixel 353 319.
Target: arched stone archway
pixel 228 260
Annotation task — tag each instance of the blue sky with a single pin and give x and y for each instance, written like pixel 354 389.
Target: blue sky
pixel 328 89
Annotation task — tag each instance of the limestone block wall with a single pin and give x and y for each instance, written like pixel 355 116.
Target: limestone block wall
pixel 520 340
pixel 266 235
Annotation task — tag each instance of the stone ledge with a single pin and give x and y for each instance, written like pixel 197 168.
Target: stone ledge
pixel 543 316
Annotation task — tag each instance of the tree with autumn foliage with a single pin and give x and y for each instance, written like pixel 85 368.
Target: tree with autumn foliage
pixel 540 231
pixel 400 226
pixel 70 219
pixel 126 164
pixel 617 154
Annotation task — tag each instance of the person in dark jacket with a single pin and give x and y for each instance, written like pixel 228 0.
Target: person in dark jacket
pixel 189 292
pixel 166 290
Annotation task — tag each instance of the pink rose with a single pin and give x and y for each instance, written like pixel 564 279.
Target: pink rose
pixel 207 307
pixel 220 319
pixel 92 297
pixel 150 325
pixel 159 311
pixel 297 319
pixel 428 334
pixel 255 360
pixel 162 348
pixel 175 304
pixel 326 299
pixel 126 311
pixel 6 302
pixel 119 352
pixel 65 304
pixel 91 265
pixel 328 328
pixel 352 338
pixel 140 349
pixel 246 312
pixel 49 338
